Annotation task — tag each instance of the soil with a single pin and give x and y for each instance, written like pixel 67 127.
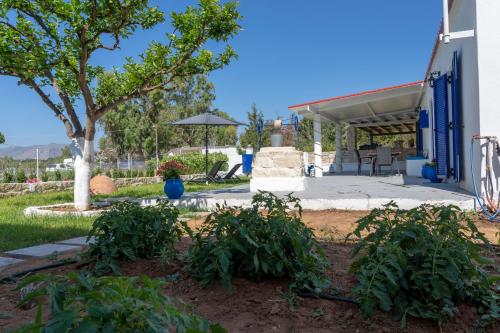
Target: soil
pixel 263 306
pixel 71 209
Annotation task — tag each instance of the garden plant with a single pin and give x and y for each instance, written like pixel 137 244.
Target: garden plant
pixel 82 303
pixel 422 262
pixel 268 240
pixel 129 232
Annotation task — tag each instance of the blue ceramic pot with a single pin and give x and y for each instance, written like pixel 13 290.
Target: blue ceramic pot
pixel 425 171
pixel 431 174
pixel 174 188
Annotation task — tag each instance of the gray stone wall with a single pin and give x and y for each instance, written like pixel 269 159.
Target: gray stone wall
pixel 13 189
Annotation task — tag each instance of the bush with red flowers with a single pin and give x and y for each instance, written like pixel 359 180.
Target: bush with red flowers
pixel 170 170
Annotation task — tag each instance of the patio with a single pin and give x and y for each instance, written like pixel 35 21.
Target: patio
pixel 346 191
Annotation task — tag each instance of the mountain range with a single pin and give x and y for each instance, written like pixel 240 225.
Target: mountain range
pixel 29 152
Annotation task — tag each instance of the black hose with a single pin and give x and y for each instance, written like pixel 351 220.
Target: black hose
pixel 330 297
pixel 13 278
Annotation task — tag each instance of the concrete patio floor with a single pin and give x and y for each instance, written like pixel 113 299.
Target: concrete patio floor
pixel 346 192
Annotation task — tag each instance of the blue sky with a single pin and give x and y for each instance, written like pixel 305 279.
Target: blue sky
pixel 290 51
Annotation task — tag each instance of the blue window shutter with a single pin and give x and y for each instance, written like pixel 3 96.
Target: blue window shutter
pixel 441 129
pixel 456 117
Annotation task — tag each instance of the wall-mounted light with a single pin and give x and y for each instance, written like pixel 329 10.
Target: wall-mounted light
pixel 433 76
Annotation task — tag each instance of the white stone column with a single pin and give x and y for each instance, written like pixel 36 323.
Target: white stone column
pixel 318 150
pixel 338 148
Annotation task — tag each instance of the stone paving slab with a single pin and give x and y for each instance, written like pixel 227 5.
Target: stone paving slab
pixel 80 241
pixel 6 261
pixel 43 250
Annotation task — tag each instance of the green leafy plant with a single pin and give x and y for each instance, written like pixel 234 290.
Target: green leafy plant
pixel 57 175
pixel 81 303
pixel 7 177
pixel 21 176
pixel 129 231
pixel 266 240
pixel 421 262
pixel 44 176
pixel 195 162
pixel 170 170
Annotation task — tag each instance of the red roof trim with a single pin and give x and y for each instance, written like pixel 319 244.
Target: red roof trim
pixel 357 94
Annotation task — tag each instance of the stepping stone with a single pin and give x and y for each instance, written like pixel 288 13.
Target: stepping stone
pixel 43 250
pixel 6 261
pixel 80 241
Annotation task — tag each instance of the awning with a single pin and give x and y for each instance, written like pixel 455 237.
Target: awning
pixel 385 111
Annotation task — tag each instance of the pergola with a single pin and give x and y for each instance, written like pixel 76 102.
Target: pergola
pixel 386 111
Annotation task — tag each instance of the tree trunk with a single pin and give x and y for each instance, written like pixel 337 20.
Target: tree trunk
pixel 83 152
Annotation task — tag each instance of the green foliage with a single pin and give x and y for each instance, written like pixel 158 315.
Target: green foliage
pixel 421 262
pixel 250 136
pixel 129 232
pixel 2 138
pixel 58 175
pixel 80 303
pixel 21 176
pixel 266 240
pixel 32 175
pixel 195 162
pixel 44 176
pixel 7 177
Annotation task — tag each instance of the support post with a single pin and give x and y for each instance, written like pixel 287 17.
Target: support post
pixel 338 148
pixel 318 150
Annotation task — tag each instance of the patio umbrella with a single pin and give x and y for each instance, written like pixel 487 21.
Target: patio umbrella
pixel 207 119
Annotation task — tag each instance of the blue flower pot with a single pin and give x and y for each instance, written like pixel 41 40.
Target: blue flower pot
pixel 425 171
pixel 174 188
pixel 431 174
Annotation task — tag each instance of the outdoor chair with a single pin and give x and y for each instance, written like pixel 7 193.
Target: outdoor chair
pixel 231 174
pixel 385 157
pixel 364 158
pixel 211 176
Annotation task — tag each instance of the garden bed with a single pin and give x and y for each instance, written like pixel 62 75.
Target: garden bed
pixel 264 306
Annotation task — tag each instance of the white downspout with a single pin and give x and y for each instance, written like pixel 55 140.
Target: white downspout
pixel 446 23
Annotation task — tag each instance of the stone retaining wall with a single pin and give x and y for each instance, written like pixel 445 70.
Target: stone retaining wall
pixel 13 189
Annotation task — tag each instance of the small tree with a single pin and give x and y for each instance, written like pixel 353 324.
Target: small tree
pixel 48 44
pixel 2 138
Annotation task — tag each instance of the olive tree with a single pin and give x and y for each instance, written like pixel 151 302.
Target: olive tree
pixel 48 46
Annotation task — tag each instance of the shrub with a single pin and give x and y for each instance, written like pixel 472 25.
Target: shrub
pixel 421 262
pixel 32 175
pixel 57 175
pixel 80 303
pixel 117 173
pixel 44 176
pixel 7 177
pixel 266 240
pixel 129 231
pixel 21 176
pixel 195 162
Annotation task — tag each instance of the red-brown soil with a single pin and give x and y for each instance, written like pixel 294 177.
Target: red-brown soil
pixel 262 306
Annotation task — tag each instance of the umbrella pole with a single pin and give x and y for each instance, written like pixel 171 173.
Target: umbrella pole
pixel 206 150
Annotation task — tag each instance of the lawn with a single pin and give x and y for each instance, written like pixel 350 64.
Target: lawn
pixel 17 231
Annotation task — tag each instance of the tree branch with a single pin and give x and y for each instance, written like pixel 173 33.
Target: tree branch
pixel 67 124
pixel 67 104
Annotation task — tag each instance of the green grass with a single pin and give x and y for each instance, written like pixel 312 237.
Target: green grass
pixel 17 230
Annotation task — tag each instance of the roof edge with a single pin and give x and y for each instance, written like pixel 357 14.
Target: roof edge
pixel 368 92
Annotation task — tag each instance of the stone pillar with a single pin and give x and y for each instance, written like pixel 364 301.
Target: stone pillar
pixel 318 150
pixel 352 142
pixel 338 148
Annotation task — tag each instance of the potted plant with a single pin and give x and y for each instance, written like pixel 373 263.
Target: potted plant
pixel 170 172
pixel 429 172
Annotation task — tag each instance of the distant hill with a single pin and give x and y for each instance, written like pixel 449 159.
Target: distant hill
pixel 29 152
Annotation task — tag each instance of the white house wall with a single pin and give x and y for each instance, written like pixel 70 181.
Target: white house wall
pixel 462 17
pixel 488 41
